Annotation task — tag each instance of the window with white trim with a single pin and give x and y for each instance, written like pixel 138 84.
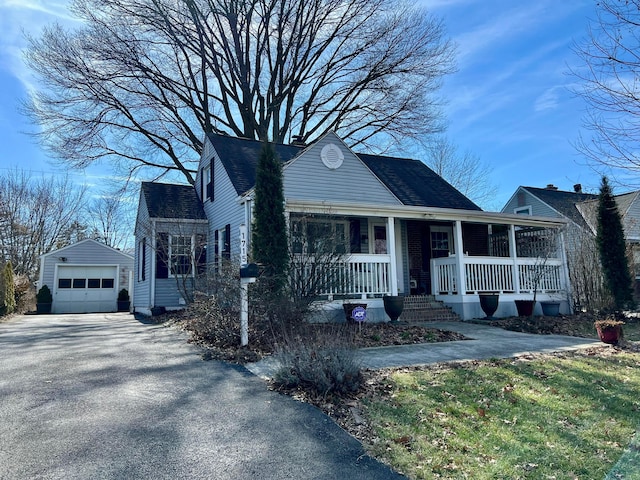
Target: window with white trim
pixel 180 255
pixel 523 210
pixel 319 235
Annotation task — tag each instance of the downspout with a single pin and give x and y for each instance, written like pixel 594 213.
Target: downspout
pixel 460 259
pixel 565 271
pixel 152 262
pixel 391 239
pixel 513 253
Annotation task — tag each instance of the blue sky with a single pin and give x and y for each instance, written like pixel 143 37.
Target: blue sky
pixel 509 102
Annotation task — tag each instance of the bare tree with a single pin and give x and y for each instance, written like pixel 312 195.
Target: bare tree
pixel 36 215
pixel 465 171
pixel 609 84
pixel 110 220
pixel 141 80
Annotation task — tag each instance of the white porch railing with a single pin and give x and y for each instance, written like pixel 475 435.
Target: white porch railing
pixel 493 274
pixel 356 275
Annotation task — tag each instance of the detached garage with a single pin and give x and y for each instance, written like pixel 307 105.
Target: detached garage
pixel 86 277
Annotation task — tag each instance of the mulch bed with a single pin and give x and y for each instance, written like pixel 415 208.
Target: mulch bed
pixel 579 325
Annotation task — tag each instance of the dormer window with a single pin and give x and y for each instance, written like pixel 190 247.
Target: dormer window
pixel 206 183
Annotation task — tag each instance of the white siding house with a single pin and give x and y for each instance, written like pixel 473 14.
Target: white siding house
pixel 404 230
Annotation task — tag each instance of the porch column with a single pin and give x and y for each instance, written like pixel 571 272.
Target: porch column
pixel 513 253
pixel 565 271
pixel 460 273
pixel 391 241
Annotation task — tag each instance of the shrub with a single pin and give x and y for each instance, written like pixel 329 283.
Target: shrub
pixel 7 290
pixel 123 295
pixel 44 295
pixel 25 294
pixel 326 364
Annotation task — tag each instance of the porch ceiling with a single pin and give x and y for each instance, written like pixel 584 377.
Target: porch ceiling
pixel 422 213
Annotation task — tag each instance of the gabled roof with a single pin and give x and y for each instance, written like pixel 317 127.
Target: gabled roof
pixel 563 202
pixel 416 184
pixel 165 200
pixel 411 181
pixel 624 201
pixel 87 240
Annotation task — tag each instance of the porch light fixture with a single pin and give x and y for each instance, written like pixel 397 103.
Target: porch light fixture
pixel 331 156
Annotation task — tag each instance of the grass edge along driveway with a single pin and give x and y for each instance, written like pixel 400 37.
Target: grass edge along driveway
pixel 562 416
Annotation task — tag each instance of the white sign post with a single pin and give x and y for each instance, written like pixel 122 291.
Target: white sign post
pixel 244 289
pixel 244 312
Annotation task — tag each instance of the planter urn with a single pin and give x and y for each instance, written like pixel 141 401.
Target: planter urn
pixel 123 305
pixel 609 334
pixel 525 307
pixel 393 306
pixel 550 309
pixel 43 308
pixel 489 304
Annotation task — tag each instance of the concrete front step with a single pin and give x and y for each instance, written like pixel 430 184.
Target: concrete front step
pixel 425 308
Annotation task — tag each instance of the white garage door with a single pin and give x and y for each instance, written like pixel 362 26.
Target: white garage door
pixel 82 289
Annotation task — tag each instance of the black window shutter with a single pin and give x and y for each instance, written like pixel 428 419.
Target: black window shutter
pixel 227 241
pixel 202 192
pixel 162 254
pixel 216 247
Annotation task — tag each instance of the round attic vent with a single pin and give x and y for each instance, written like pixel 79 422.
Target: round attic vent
pixel 332 156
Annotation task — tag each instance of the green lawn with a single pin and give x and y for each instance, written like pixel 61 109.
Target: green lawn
pixel 563 417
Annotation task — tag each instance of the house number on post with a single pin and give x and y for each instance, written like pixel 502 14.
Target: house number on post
pixel 248 274
pixel 243 245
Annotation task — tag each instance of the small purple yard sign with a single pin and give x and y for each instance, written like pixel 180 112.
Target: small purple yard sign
pixel 359 314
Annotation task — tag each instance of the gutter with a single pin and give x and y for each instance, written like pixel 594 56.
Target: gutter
pixel 422 213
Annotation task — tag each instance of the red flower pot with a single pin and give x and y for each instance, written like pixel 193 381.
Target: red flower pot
pixel 610 335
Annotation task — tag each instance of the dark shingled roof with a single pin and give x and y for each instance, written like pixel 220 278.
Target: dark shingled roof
pixel 416 184
pixel 166 200
pixel 240 158
pixel 410 180
pixel 563 201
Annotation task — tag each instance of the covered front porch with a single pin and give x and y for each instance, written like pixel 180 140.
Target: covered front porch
pixel 451 254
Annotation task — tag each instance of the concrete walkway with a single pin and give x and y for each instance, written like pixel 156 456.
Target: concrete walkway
pixel 486 342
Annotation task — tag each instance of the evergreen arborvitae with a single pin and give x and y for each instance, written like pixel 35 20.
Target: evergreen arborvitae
pixel 7 290
pixel 612 248
pixel 269 236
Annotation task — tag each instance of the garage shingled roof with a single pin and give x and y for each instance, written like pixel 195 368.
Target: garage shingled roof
pixel 411 181
pixel 166 200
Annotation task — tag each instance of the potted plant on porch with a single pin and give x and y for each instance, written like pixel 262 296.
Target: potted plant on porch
pixel 44 299
pixel 393 306
pixel 123 300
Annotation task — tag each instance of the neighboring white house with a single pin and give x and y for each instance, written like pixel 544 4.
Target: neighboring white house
pixel 403 229
pixel 86 277
pixel 580 211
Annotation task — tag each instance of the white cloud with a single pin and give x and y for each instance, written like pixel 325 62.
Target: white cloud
pixel 20 17
pixel 549 100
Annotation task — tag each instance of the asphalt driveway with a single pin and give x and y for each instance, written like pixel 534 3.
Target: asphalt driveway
pixel 102 396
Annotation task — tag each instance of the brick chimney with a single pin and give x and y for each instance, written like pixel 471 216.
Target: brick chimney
pixel 551 186
pixel 577 188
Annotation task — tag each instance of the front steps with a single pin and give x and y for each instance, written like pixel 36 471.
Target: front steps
pixel 425 308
